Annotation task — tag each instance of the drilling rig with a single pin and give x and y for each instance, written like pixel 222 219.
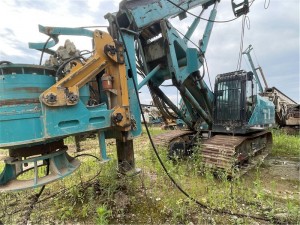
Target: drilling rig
pixel 72 94
pixel 287 111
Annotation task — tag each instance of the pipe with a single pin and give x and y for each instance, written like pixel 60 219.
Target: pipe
pixel 171 105
pixel 149 76
pixel 185 92
pixel 193 27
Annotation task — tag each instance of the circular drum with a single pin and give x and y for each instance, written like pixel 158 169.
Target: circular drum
pixel 20 108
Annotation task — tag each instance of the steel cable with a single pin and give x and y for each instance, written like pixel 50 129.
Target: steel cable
pixel 202 205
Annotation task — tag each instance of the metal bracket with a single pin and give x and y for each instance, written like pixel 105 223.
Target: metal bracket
pixel 241 8
pixel 60 163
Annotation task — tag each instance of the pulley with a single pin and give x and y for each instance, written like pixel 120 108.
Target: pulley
pixel 240 8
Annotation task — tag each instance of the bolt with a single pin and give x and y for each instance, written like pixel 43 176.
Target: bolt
pixel 72 98
pixel 118 117
pixel 51 98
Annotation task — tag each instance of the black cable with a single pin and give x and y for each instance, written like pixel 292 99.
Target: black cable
pixel 60 68
pixel 66 62
pixel 156 152
pixel 267 4
pixel 147 130
pixel 104 26
pixel 167 111
pixel 208 73
pixel 167 85
pixel 54 194
pixel 160 160
pixel 86 52
pixel 43 50
pixel 245 21
pixel 187 38
pixel 35 198
pixel 86 154
pixel 208 20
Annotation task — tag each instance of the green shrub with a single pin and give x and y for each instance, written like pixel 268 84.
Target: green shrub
pixel 285 145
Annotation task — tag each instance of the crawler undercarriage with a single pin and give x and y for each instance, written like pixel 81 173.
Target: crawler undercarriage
pixel 234 155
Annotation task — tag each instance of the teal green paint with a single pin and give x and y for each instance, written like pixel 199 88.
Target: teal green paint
pixel 247 52
pixel 8 174
pixel 101 138
pixel 54 32
pixel 263 114
pixel 148 77
pixel 208 29
pixel 193 27
pixel 62 165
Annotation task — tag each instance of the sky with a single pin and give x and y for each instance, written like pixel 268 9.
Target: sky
pixel 273 32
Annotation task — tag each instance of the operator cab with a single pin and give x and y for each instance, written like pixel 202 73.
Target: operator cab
pixel 238 108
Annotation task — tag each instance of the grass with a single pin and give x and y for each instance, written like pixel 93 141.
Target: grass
pixel 285 145
pixel 151 198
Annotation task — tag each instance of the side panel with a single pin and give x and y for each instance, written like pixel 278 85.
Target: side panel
pixel 263 114
pixel 135 112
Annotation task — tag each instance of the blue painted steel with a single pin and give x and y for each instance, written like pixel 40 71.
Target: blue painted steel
pixel 54 32
pixel 177 51
pixel 19 103
pixel 195 104
pixel 84 93
pixel 179 61
pixel 69 120
pixel 263 114
pixel 51 123
pixel 180 52
pixel 60 165
pixel 143 13
pixel 135 112
pixel 185 107
pixel 149 76
pixel 20 109
pixel 101 138
pixel 193 63
pixel 193 27
pixel 247 52
pixel 66 31
pixel 208 29
pixel 8 174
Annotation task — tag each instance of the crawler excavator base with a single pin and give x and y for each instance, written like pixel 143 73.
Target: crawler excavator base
pixel 235 155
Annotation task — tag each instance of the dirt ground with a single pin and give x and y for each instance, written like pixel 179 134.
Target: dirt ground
pixel 280 178
pixel 284 173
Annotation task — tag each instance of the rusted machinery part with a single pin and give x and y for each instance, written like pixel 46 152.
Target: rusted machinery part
pixel 161 106
pixel 236 154
pixel 164 140
pixel 22 160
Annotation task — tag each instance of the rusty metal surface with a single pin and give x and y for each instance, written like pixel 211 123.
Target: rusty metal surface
pixel 15 69
pixel 19 101
pixel 29 89
pixel 37 149
pixel 224 152
pixel 125 155
pixel 235 152
pixel 59 168
pixel 163 140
